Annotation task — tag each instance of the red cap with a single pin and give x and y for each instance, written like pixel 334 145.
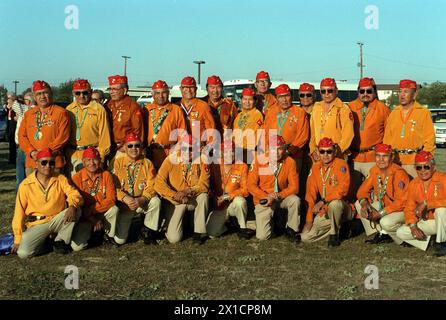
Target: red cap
pixel 188 81
pixel 248 92
pixel 91 153
pixel 408 84
pixel 367 82
pixel 423 156
pixel 325 143
pixel 117 79
pixel 282 89
pixel 328 82
pixel 214 81
pixel 44 153
pixel 277 141
pixel 81 84
pixel 383 148
pixel 40 85
pixel 306 87
pixel 262 75
pixel 131 137
pixel 159 85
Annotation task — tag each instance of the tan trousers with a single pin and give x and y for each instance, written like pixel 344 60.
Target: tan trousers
pixel 429 227
pixel 265 214
pixel 175 214
pixel 338 211
pixel 151 219
pixel 83 230
pixel 238 208
pixel 410 169
pixel 34 237
pixel 360 171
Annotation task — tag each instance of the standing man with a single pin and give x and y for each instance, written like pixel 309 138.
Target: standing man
pixel 46 126
pixel 274 183
pixel 41 209
pixel 99 212
pixel 163 119
pixel 331 118
pixel 135 177
pixel 290 122
pixel 409 128
pixel 382 197
pixel 223 110
pixel 14 110
pixel 183 180
pixel 125 116
pixel 98 96
pixel 370 118
pixel 264 99
pixel 327 188
pixel 89 126
pixel 307 97
pixel 425 211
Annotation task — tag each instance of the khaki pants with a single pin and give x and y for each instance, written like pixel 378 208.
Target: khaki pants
pixel 410 169
pixel 338 211
pixel 83 230
pixel 34 237
pixel 429 227
pixel 151 220
pixel 175 214
pixel 265 214
pixel 216 222
pixel 360 171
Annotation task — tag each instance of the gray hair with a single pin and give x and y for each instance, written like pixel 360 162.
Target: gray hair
pixel 12 95
pixel 29 96
pixel 100 92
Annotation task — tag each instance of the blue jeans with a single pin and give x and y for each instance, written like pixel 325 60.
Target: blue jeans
pixel 20 167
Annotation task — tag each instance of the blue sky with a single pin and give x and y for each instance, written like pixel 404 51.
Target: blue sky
pixel 292 39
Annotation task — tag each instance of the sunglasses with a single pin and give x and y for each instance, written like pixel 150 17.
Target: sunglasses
pixel 323 151
pixel 136 145
pixel 425 167
pixel 327 91
pixel 44 163
pixel 85 93
pixel 303 95
pixel 369 91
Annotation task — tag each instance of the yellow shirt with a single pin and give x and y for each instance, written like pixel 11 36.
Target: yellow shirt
pixel 33 200
pixel 245 121
pixel 418 132
pixel 337 124
pixel 142 171
pixel 94 131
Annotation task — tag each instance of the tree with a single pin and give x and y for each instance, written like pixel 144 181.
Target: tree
pixel 393 100
pixel 3 95
pixel 433 94
pixel 63 93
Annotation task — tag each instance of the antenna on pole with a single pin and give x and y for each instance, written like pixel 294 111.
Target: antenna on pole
pixel 360 64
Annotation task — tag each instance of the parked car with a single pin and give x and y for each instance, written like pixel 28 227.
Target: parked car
pixel 439 119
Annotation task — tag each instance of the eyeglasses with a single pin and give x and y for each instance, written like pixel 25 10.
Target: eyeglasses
pixel 369 91
pixel 327 91
pixel 136 145
pixel 323 151
pixel 44 163
pixel 303 95
pixel 425 167
pixel 85 93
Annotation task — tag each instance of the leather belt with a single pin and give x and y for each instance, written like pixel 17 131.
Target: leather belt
pixel 408 151
pixel 80 148
pixel 363 149
pixel 34 218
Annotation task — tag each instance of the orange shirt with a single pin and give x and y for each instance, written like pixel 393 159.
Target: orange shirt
pixel 369 128
pixel 99 192
pixel 435 196
pixel 337 183
pixel 33 200
pixel 395 190
pixel 173 176
pixel 261 178
pixel 265 102
pixel 126 116
pixel 248 122
pixel 295 127
pixel 224 113
pixel 234 183
pixel 416 131
pixel 54 132
pixel 337 124
pixel 198 113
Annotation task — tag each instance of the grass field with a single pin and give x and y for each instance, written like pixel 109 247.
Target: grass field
pixel 224 268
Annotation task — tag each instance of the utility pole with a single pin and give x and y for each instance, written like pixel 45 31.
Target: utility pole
pixel 199 62
pixel 125 64
pixel 360 64
pixel 15 86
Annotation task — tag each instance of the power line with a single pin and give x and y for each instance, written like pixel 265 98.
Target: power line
pixel 406 63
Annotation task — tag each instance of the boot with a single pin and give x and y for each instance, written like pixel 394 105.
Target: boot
pixel 149 236
pixel 292 235
pixel 333 240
